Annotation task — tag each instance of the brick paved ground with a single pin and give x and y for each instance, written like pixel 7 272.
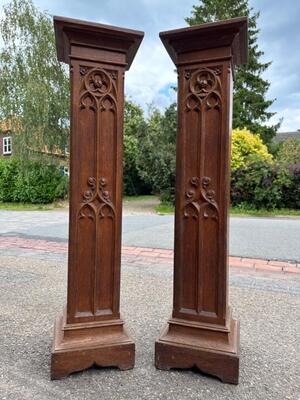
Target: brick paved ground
pixel 131 253
pixel 261 238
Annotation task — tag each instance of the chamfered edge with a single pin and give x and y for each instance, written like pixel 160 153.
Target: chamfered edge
pixel 62 26
pixel 235 30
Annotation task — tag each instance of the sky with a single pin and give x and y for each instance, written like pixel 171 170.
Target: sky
pixel 151 76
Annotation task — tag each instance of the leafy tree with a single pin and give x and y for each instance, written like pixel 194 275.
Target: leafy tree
pixel 34 86
pixel 147 146
pixel 133 118
pixel 156 156
pixel 134 128
pixel 289 152
pixel 250 105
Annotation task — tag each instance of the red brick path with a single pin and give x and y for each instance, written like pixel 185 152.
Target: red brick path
pixel 254 264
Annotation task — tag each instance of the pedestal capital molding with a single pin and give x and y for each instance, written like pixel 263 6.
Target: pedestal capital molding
pixel 71 33
pixel 230 35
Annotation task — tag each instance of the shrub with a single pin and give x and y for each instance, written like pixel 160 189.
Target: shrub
pixel 32 182
pixel 259 185
pixel 288 152
pixel 149 159
pixel 9 169
pixel 247 149
pixel 291 188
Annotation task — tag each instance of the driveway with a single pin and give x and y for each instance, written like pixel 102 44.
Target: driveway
pixel 33 293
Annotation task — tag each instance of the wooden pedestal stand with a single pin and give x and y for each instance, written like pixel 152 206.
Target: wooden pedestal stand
pixel 91 330
pixel 201 331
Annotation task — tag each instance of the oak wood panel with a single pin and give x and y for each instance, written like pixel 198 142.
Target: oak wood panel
pixel 201 328
pixel 91 330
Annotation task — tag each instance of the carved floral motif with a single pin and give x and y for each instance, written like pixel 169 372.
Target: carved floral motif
pixel 204 88
pixel 98 91
pixel 83 71
pixel 200 199
pixel 96 201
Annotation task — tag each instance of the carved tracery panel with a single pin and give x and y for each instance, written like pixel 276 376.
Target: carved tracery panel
pixel 96 213
pixel 98 87
pixel 200 191
pixel 203 89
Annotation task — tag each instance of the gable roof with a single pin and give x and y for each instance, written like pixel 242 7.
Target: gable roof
pixel 280 136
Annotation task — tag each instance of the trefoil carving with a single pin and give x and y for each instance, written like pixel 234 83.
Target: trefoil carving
pixel 96 201
pixel 98 89
pixel 200 200
pixel 204 89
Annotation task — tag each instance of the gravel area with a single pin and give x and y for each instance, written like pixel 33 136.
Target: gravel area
pixel 33 292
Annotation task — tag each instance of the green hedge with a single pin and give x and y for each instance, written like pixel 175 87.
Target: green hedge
pixel 291 189
pixel 31 182
pixel 264 185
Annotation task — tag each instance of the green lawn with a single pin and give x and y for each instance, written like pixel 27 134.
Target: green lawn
pixel 165 208
pixel 240 211
pixel 31 207
pixel 282 212
pixel 139 198
pixel 160 208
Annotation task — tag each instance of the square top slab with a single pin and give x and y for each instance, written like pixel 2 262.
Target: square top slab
pixel 231 32
pixel 90 34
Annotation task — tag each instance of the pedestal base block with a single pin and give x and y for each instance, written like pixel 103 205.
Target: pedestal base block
pixel 212 351
pixel 78 347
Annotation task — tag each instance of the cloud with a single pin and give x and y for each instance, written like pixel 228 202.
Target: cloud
pixel 152 69
pixel 291 119
pixel 152 72
pixel 279 38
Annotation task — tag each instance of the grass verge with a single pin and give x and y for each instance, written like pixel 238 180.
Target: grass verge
pixel 162 208
pixel 139 198
pixel 240 211
pixel 277 212
pixel 32 207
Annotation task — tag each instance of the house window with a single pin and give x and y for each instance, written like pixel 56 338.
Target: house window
pixel 7 145
pixel 64 170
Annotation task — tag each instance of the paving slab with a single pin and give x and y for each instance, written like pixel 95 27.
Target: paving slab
pixel 33 292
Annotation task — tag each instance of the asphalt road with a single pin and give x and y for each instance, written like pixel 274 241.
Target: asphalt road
pixel 268 238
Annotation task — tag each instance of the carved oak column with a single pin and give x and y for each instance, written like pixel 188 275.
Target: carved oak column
pixel 201 331
pixel 91 330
